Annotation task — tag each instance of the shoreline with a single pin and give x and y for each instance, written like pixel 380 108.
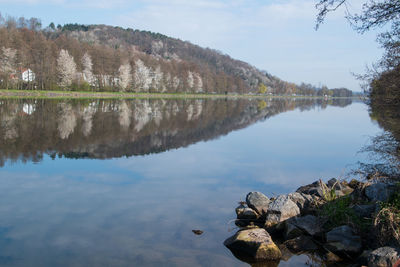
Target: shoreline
pixel 336 221
pixel 11 93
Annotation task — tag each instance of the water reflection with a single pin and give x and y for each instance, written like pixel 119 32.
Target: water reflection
pixel 141 210
pixel 114 128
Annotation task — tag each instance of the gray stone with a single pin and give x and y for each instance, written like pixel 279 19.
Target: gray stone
pixel 379 191
pixel 311 189
pixel 281 209
pixel 253 245
pixel 383 257
pixel 258 202
pixel 301 244
pixel 342 240
pixel 302 201
pixel 308 224
pixel 334 182
pixel 248 214
pixel 240 209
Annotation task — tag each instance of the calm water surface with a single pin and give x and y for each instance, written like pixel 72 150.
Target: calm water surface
pixel 123 183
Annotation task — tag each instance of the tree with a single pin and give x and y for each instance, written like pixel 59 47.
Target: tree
pixel 198 86
pixel 66 68
pixel 375 13
pixel 8 64
pixel 262 89
pixel 142 76
pixel 190 80
pixel 125 77
pixel 87 69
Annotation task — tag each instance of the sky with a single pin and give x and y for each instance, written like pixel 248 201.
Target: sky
pixel 276 36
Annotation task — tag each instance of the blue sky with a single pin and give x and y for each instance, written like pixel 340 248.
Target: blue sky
pixel 276 36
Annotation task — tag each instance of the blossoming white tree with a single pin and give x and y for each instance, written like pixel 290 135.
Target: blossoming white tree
pixel 87 69
pixel 125 77
pixel 66 68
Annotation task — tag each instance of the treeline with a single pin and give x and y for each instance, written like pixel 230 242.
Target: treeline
pixel 105 58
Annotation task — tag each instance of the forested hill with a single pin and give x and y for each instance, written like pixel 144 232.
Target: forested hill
pixel 106 58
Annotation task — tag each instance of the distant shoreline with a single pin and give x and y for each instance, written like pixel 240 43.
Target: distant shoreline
pixel 126 95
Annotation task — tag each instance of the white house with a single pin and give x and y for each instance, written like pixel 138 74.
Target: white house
pixel 27 75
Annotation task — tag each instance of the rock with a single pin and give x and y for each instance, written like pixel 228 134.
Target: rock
pixel 297 226
pixel 363 258
pixel 383 257
pixel 248 214
pixel 311 189
pixel 344 191
pixel 300 244
pixel 258 202
pixel 240 209
pixel 334 182
pixel 364 211
pixel 253 245
pixel 302 201
pixel 286 253
pixel 380 191
pixel 281 209
pixel 341 188
pixel 342 241
pixel 332 257
pixel 197 232
pixel 355 184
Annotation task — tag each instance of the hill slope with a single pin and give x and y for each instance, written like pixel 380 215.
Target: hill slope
pixel 106 58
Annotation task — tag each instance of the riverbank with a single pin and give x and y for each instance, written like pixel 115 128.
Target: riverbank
pixel 355 223
pixel 128 95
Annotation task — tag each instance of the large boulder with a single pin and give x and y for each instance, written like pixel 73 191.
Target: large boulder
pixel 281 209
pixel 342 241
pixel 297 226
pixel 258 202
pixel 253 245
pixel 383 257
pixel 303 201
pixel 380 191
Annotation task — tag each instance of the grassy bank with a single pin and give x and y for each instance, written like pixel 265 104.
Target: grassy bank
pixel 125 95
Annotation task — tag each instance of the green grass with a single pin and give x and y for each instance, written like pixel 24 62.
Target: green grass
pixel 338 212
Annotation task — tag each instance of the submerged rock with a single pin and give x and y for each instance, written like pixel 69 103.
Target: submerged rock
pixel 197 232
pixel 281 209
pixel 253 245
pixel 342 240
pixel 383 257
pixel 258 202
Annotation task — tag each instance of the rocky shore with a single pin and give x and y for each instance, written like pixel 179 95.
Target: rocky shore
pixel 337 222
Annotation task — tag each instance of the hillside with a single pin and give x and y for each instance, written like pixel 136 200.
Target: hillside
pixel 106 58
